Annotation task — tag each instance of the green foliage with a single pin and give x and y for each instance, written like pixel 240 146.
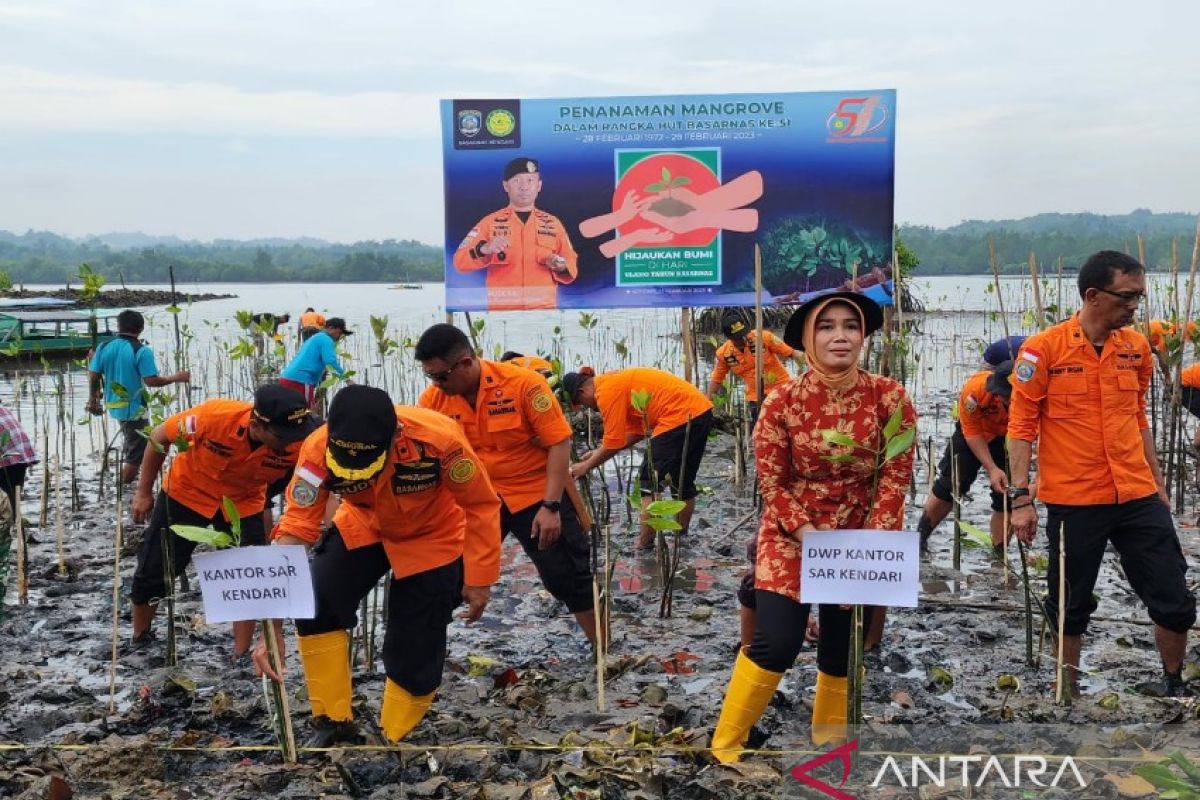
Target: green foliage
pixel 963 249
pixel 41 257
pixel 906 260
pixel 807 253
pixel 383 343
pixel 974 536
pixel 6 283
pixel 194 533
pixel 640 400
pixel 93 282
pixel 662 515
pixel 1172 784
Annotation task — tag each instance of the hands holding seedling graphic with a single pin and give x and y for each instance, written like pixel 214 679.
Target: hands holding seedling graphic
pixel 673 210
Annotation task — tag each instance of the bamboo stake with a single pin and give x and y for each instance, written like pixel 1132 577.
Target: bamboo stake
pixel 685 325
pixel 287 736
pixel 22 552
pixel 60 533
pixel 118 543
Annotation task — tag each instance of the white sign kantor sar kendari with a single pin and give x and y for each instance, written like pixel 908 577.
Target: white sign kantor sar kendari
pixel 878 568
pixel 268 582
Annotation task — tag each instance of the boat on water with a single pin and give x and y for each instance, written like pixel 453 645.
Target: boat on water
pixel 407 286
pixel 59 333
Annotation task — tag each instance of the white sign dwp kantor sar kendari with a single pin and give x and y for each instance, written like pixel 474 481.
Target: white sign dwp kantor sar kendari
pixel 878 568
pixel 269 582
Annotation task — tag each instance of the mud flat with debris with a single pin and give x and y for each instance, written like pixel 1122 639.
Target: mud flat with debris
pixel 516 716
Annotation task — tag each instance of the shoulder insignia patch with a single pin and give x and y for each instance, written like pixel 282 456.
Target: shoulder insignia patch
pixel 303 493
pixel 972 404
pixel 1024 371
pixel 462 470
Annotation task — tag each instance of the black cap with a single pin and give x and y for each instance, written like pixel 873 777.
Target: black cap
pixel 521 165
pixel 793 334
pixel 1002 350
pixel 509 355
pixel 999 383
pixel 284 411
pixel 572 382
pixel 362 424
pixel 733 324
pixel 340 324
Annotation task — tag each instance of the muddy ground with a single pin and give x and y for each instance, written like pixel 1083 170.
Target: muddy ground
pixel 516 716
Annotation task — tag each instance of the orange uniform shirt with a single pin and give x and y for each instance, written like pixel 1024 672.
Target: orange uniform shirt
pixel 532 362
pixel 981 413
pixel 1190 376
pixel 741 363
pixel 517 277
pixel 672 401
pixel 312 319
pixel 1087 413
pixel 217 459
pixel 514 420
pixel 432 503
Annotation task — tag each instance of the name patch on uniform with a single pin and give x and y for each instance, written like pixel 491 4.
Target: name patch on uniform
pixel 462 470
pixel 1024 371
pixel 416 476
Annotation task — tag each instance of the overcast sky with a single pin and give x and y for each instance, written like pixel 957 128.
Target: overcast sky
pixel 251 118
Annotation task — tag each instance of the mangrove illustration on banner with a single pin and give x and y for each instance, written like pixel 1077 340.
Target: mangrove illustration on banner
pixel 659 201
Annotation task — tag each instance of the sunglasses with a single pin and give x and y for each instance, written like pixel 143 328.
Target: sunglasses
pixel 1126 297
pixel 444 375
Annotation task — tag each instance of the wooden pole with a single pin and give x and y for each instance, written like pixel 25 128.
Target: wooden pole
pixel 1061 691
pixel 685 325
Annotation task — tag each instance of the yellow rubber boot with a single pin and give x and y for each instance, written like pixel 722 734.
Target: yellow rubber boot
pixel 401 711
pixel 750 689
pixel 326 660
pixel 829 710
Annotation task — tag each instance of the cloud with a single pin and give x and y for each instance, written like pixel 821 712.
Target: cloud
pixel 41 101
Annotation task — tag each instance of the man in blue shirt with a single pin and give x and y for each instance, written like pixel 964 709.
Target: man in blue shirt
pixel 123 367
pixel 307 369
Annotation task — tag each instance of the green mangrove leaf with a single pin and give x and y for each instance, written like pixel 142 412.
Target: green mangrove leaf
pixel 666 508
pixel 894 422
pixel 899 445
pixel 832 436
pixel 663 524
pixel 974 536
pixel 208 536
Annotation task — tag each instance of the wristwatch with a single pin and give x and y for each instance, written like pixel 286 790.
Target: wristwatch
pixel 1017 491
pixel 552 505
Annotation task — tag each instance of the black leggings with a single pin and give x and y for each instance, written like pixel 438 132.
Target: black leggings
pixel 420 607
pixel 779 633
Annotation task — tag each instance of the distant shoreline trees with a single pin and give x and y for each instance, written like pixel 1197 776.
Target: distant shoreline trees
pixel 43 257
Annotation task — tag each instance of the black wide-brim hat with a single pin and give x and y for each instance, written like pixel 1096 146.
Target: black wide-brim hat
pixel 872 314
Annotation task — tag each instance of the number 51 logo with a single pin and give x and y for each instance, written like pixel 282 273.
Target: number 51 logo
pixel 855 117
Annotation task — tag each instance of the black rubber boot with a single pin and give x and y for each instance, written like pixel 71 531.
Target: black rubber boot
pixel 926 530
pixel 331 733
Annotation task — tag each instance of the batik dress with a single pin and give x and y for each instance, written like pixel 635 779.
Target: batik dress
pixel 800 485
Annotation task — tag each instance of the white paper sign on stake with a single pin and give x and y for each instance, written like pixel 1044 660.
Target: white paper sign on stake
pixel 875 568
pixel 267 582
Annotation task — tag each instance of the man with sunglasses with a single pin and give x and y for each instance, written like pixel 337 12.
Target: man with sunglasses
pixel 513 422
pixel 1079 390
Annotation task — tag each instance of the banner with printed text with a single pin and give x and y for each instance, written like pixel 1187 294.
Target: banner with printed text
pixel 658 201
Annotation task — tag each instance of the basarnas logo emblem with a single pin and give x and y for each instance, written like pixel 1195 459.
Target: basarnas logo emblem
pixel 501 122
pixel 857 117
pixel 469 122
